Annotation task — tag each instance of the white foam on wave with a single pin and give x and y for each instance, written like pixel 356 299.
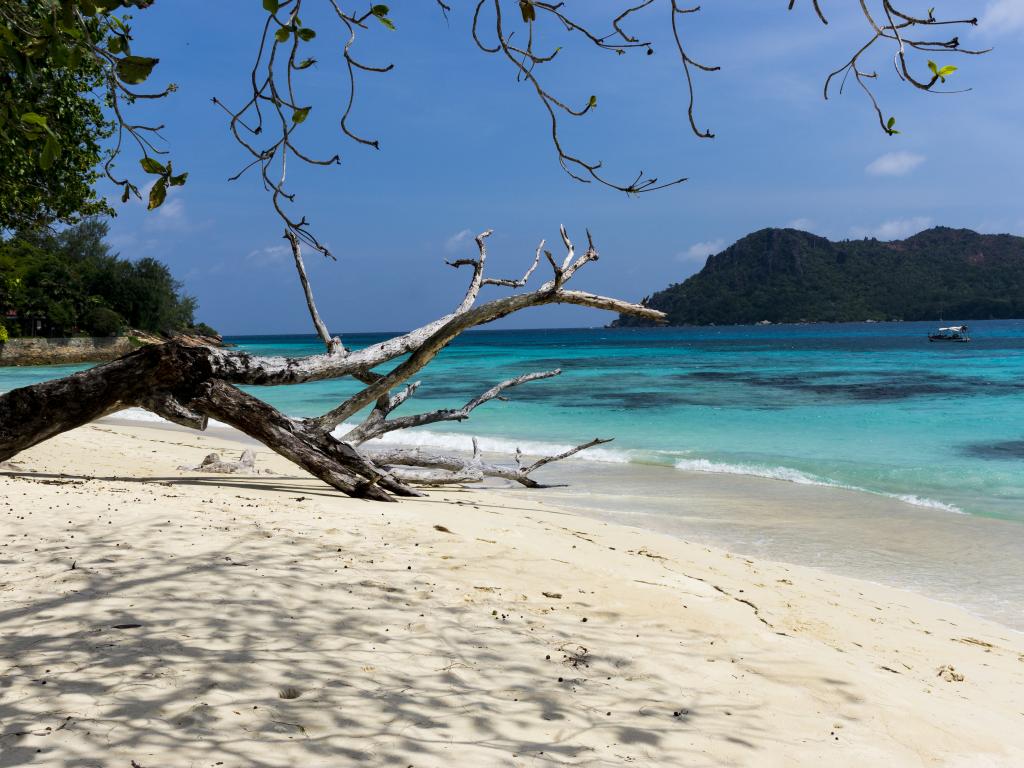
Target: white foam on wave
pixel 917 501
pixel 789 475
pixel 141 414
pixel 772 473
pixel 425 438
pixel 457 441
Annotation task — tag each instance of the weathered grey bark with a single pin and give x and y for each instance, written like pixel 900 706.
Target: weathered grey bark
pixel 188 385
pixel 333 344
pixel 377 423
pixel 152 377
pixel 320 455
pixel 436 469
pixel 213 462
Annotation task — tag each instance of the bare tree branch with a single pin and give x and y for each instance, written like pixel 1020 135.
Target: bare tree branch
pixel 438 469
pixel 377 424
pixel 333 344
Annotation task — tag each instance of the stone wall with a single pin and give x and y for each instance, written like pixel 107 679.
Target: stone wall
pixel 38 351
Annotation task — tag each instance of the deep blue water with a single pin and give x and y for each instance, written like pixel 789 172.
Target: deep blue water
pixel 871 406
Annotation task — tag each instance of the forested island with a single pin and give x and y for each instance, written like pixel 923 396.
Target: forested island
pixel 69 283
pixel 790 276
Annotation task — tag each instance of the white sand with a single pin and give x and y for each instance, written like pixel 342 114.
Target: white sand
pixel 409 645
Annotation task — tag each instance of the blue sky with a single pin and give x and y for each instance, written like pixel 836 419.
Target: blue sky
pixel 465 148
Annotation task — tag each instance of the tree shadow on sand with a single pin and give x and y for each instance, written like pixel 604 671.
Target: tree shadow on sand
pixel 147 640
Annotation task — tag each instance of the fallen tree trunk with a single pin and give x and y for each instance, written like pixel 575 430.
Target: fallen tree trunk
pixel 189 385
pixel 146 378
pixel 174 381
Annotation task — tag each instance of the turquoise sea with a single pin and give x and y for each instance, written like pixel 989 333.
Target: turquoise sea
pixel 871 406
pixel 862 449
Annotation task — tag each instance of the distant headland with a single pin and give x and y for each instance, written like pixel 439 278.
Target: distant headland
pixel 790 276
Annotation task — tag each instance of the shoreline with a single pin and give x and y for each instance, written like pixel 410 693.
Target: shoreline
pixel 502 446
pixel 473 627
pixel 850 532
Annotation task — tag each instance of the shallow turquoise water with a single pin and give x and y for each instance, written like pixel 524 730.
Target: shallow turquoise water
pixel 870 406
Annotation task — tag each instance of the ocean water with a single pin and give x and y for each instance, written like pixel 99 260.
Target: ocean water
pixel 871 406
pixel 861 449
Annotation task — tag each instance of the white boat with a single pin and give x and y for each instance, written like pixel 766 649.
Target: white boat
pixel 952 333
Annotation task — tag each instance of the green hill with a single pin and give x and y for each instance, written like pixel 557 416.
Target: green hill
pixel 788 276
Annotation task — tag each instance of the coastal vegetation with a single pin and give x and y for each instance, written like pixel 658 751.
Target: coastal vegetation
pixel 69 283
pixel 52 133
pixel 155 616
pixel 92 40
pixel 790 276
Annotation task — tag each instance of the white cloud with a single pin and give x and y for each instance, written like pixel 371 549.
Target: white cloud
pixel 895 163
pixel 896 229
pixel 272 254
pixel 802 224
pixel 1002 17
pixel 171 214
pixel 700 251
pixel 456 241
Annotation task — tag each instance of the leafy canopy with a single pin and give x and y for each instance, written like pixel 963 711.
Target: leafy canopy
pixel 73 283
pixel 66 67
pixel 82 49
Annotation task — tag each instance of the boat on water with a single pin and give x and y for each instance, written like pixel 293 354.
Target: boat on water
pixel 952 333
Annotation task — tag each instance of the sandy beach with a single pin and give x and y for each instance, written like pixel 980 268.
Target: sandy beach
pixel 156 617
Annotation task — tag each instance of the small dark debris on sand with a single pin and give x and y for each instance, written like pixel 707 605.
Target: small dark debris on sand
pixel 948 673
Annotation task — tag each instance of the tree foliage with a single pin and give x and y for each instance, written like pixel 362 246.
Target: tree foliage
pixel 92 41
pixel 52 128
pixel 188 385
pixel 66 74
pixel 71 282
pixel 788 276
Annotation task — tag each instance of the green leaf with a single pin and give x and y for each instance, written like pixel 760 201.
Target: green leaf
pixel 529 12
pixel 51 151
pixel 381 12
pixel 305 64
pixel 177 181
pixel 592 103
pixel 282 35
pixel 933 67
pixel 135 69
pixel 271 6
pixel 300 114
pixel 33 118
pixel 306 34
pixel 946 71
pixel 151 165
pixel 157 194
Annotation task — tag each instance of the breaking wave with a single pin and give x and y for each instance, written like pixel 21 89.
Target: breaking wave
pixel 463 443
pixel 802 478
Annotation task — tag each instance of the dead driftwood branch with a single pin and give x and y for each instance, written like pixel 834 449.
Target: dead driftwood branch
pixel 246 464
pixel 423 468
pixel 189 385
